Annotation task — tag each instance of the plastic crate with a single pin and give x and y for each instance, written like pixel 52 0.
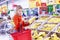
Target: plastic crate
pixel 50 8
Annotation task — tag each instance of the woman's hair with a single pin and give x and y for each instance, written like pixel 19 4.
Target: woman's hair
pixel 18 7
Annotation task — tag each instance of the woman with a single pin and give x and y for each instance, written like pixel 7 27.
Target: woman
pixel 19 23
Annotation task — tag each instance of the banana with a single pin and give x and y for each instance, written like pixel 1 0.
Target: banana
pixel 12 22
pixel 54 20
pixel 35 34
pixel 53 37
pixel 35 25
pixel 43 18
pixel 43 34
pixel 48 27
pixel 31 20
pixel 39 38
pixel 47 38
pixel 58 30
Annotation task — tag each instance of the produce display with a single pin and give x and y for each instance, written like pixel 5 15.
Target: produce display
pixel 43 18
pixel 31 20
pixel 58 29
pixel 35 25
pixel 3 8
pixel 45 29
pixel 54 20
pixel 38 35
pixel 12 22
pixel 48 27
pixel 54 36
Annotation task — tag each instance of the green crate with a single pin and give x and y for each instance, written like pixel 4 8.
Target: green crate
pixel 58 6
pixel 50 8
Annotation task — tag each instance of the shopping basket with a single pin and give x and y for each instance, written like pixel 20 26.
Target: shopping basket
pixel 25 35
pixel 22 34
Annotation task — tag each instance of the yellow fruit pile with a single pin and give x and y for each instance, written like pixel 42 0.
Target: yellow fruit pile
pixel 38 36
pixel 3 8
pixel 43 18
pixel 54 20
pixel 35 25
pixel 53 37
pixel 58 30
pixel 12 22
pixel 31 20
pixel 48 27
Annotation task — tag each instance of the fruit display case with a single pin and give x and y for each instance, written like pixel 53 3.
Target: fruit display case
pixel 38 34
pixel 32 19
pixel 42 18
pixel 48 26
pixel 54 19
pixel 50 35
pixel 34 25
pixel 53 36
pixel 49 29
pixel 57 29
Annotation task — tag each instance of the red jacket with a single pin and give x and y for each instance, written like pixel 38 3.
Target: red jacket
pixel 17 21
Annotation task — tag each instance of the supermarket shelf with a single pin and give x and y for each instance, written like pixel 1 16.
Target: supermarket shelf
pixel 49 33
pixel 3 2
pixel 56 27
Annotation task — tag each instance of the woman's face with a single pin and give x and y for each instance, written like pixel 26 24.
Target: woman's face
pixel 19 12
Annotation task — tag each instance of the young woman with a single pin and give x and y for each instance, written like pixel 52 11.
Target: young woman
pixel 19 23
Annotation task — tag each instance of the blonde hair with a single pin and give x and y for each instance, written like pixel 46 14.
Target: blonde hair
pixel 18 7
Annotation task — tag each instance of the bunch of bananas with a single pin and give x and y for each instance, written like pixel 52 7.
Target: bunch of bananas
pixel 12 22
pixel 48 27
pixel 58 30
pixel 54 20
pixel 35 25
pixel 43 18
pixel 53 37
pixel 31 20
pixel 38 36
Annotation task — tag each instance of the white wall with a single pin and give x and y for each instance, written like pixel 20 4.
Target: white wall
pixel 23 3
